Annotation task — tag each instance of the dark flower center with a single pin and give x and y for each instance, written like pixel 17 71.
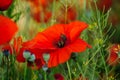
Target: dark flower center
pixel 62 41
pixel 6 52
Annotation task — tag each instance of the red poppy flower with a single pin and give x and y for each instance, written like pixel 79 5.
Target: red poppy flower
pixel 58 77
pixel 63 39
pixel 104 5
pixel 7 29
pixel 32 56
pixel 4 4
pixel 114 55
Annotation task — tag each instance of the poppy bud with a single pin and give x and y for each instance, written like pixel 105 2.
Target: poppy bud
pixel 46 57
pixel 4 4
pixel 45 67
pixel 28 56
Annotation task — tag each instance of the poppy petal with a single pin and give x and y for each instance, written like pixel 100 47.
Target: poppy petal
pixel 75 28
pixel 38 64
pixel 20 57
pixel 53 33
pixel 62 55
pixel 58 57
pixel 7 29
pixel 40 41
pixel 113 57
pixel 4 4
pixel 46 39
pixel 78 46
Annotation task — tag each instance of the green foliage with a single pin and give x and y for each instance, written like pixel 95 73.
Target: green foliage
pixel 91 64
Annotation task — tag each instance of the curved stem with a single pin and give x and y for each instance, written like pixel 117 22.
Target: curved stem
pixel 25 70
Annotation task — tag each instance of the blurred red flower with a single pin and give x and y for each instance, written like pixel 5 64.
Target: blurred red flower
pixel 4 4
pixel 58 76
pixel 104 5
pixel 114 19
pixel 39 10
pixel 37 16
pixel 114 55
pixel 63 39
pixel 39 3
pixel 70 16
pixel 7 29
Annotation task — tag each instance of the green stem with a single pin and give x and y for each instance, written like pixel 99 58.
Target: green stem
pixel 68 66
pixel 53 12
pixel 81 71
pixel 45 75
pixel 93 74
pixel 93 55
pixel 106 71
pixel 66 8
pixel 7 68
pixel 25 70
pixel 84 7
